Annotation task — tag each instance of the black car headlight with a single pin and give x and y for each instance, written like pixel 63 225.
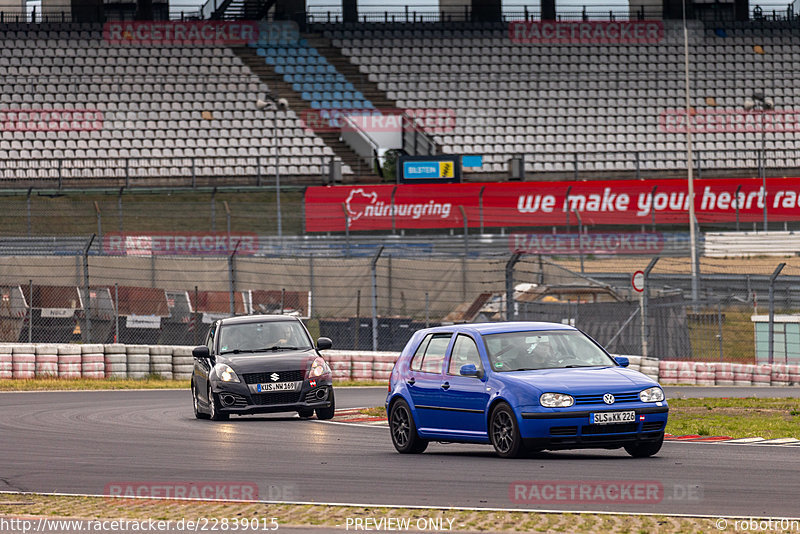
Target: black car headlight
pixel 654 394
pixel 225 373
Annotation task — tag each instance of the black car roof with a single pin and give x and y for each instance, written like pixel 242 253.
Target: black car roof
pixel 245 319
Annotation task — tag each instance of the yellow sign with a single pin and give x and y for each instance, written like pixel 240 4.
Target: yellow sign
pixel 446 169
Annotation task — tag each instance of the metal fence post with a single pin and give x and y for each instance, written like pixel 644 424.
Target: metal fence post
pixel 645 329
pixel 116 312
pixel 772 278
pixel 88 309
pixel 196 315
pixel 346 229
pixel 511 312
pixel 375 298
pixel 580 237
pixel 427 311
pixel 30 312
pixel 310 284
pixel 30 189
pixel 466 254
pixel 232 278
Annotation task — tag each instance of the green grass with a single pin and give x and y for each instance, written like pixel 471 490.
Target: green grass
pixel 738 336
pixel 737 418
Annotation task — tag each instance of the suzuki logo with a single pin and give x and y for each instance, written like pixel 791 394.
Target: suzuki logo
pixel 275 377
pixel 608 398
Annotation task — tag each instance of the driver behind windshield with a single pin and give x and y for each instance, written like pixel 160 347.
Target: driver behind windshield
pixel 518 351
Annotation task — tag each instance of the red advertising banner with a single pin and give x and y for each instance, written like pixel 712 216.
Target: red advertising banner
pixel 180 243
pixel 528 204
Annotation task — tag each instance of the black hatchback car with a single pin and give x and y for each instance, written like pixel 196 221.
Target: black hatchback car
pixel 261 364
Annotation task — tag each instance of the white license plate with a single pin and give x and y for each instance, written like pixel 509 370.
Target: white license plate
pixel 606 418
pixel 277 386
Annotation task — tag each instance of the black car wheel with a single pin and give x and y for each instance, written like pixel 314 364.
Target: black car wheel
pixel 329 412
pixel 213 409
pixel 197 413
pixel 404 431
pixel 504 432
pixel 305 414
pixel 645 449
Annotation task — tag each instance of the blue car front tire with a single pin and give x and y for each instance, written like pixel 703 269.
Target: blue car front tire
pixel 504 432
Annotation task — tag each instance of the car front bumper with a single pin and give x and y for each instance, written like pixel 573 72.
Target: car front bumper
pixel 571 429
pixel 236 398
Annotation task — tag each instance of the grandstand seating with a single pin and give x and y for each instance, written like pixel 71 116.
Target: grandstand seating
pixel 594 106
pixel 166 112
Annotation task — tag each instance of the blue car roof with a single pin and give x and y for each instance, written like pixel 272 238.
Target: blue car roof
pixel 503 327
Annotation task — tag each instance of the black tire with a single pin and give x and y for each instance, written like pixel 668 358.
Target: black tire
pixel 305 414
pixel 644 449
pixel 330 411
pixel 213 412
pixel 504 432
pixel 195 406
pixel 404 431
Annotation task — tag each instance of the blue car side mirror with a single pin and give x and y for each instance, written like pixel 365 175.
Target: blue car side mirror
pixel 471 370
pixel 622 361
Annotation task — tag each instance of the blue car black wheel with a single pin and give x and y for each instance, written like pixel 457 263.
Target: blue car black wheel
pixel 504 432
pixel 404 431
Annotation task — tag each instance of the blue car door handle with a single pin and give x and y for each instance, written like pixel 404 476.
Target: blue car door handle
pixel 411 381
pixel 446 385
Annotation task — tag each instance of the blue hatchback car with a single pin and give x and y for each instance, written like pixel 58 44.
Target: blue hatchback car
pixel 523 387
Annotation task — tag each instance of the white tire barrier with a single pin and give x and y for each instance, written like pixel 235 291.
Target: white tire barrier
pixel 382 367
pixel 723 374
pixel 46 360
pixel 361 367
pixel 761 375
pixel 116 361
pixel 340 366
pixel 161 361
pixel 69 361
pixel 649 367
pixel 182 363
pixel 743 374
pixel 138 361
pixel 93 363
pixel 793 370
pixel 6 363
pixel 23 361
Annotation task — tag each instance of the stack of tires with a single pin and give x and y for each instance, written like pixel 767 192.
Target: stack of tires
pixel 668 373
pixel 116 361
pixel 69 361
pixel 723 374
pixel 161 361
pixel 779 375
pixel 793 370
pixel 705 373
pixel 649 366
pixel 138 361
pixel 93 361
pixel 762 375
pixel 361 367
pixel 742 374
pixel 182 363
pixel 23 361
pixel 382 366
pixel 6 362
pixel 634 362
pixel 340 366
pixel 46 360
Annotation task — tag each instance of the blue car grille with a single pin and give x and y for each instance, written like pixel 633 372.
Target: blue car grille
pixel 598 399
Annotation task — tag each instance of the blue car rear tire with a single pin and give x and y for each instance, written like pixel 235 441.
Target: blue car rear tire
pixel 404 430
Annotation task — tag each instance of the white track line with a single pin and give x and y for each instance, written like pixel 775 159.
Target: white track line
pixel 411 506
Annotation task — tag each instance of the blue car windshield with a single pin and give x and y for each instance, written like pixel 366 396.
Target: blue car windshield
pixel 552 349
pixel 246 338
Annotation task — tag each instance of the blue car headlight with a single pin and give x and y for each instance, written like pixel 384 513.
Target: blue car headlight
pixel 225 373
pixel 556 400
pixel 654 394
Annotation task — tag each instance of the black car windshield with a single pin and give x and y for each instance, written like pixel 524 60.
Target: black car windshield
pixel 251 338
pixel 552 349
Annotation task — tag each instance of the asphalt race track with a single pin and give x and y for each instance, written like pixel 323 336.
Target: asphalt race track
pixel 82 442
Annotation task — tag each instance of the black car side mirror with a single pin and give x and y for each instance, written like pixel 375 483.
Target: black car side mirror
pixel 324 343
pixel 201 352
